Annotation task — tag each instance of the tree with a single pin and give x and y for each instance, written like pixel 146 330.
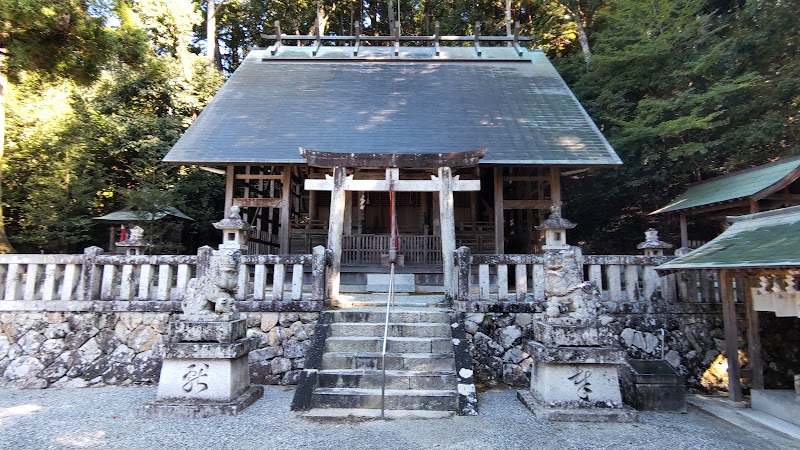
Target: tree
pixel 53 37
pixel 684 92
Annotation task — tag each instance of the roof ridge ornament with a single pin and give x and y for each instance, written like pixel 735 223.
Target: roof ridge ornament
pixel 395 38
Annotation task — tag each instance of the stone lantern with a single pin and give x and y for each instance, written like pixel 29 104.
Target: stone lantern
pixel 652 246
pixel 234 231
pixel 135 244
pixel 555 230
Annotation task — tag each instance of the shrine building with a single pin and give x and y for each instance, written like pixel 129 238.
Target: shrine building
pixel 473 140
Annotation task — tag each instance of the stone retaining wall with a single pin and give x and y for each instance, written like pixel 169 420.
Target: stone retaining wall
pixel 73 349
pixel 694 341
pixel 76 349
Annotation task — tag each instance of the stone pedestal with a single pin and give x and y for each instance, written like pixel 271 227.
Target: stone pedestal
pixel 205 370
pixel 574 376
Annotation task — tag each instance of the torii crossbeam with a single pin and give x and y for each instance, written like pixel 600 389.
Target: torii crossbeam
pixel 445 184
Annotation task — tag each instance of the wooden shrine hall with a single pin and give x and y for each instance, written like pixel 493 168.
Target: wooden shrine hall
pixel 496 125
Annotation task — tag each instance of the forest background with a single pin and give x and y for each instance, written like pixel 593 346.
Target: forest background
pixel 93 93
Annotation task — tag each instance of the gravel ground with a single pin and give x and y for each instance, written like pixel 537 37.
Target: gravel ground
pixel 107 418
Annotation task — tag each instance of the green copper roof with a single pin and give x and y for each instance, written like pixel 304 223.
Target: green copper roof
pixel 126 215
pixel 734 186
pixel 767 239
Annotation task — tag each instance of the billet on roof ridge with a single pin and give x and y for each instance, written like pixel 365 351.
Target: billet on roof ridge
pixel 396 37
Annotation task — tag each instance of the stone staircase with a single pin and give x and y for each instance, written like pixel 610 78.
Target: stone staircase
pixel 428 372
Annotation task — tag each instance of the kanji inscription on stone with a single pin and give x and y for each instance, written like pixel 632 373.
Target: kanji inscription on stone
pixel 194 377
pixel 581 381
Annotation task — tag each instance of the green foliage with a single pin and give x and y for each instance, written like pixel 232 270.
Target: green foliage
pixel 55 37
pixel 79 151
pixel 684 91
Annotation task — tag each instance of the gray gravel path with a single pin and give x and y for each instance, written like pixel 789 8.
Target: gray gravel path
pixel 108 418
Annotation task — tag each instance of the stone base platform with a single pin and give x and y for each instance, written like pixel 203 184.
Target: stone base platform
pixel 174 408
pixel 541 411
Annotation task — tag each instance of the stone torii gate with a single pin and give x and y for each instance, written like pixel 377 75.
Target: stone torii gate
pixel 339 182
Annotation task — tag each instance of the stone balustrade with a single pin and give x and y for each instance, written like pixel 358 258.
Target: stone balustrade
pixel 621 279
pixel 103 282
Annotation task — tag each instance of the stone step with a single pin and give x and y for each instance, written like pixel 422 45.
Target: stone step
pixel 395 379
pixel 413 399
pixel 397 315
pixel 347 414
pixel 394 361
pixel 393 344
pixel 395 329
pixel 400 300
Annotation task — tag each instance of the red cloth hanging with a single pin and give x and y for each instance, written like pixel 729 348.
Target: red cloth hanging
pixel 393 221
pixel 123 235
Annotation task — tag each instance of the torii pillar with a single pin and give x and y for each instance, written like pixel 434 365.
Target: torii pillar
pixel 339 183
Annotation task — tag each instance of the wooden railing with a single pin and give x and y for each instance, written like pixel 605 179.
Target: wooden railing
pixel 366 249
pixel 94 276
pixel 621 278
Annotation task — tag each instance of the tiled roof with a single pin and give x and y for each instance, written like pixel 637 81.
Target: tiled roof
pixel 517 107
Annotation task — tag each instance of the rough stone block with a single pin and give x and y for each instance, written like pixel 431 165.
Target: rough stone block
pixel 206 350
pixel 203 331
pixel 571 335
pixel 652 385
pixel 576 385
pixel 207 380
pixel 574 355
pixel 169 409
pixel 547 412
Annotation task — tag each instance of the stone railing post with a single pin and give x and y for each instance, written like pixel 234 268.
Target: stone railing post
pixel 652 246
pixel 463 256
pixel 89 287
pixel 318 263
pixel 204 254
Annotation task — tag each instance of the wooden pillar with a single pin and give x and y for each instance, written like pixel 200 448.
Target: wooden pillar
pixel 448 224
pixel 753 206
pixel 348 213
pixel 313 205
pixel 753 335
pixel 111 238
pixel 424 204
pixel 555 186
pixel 731 336
pixel 286 208
pixel 499 222
pixel 436 223
pixel 229 176
pixel 360 213
pixel 335 228
pixel 684 230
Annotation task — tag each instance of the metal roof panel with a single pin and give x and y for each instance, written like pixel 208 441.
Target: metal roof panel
pixel 768 239
pixel 733 186
pixel 518 108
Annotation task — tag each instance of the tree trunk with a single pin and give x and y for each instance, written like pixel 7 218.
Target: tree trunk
pixel 583 38
pixel 508 17
pixel 211 32
pixel 5 245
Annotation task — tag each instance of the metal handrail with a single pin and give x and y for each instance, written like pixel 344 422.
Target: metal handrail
pixel 389 304
pixel 390 300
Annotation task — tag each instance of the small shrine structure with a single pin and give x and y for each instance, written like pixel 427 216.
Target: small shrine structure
pixel 758 266
pixel 762 188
